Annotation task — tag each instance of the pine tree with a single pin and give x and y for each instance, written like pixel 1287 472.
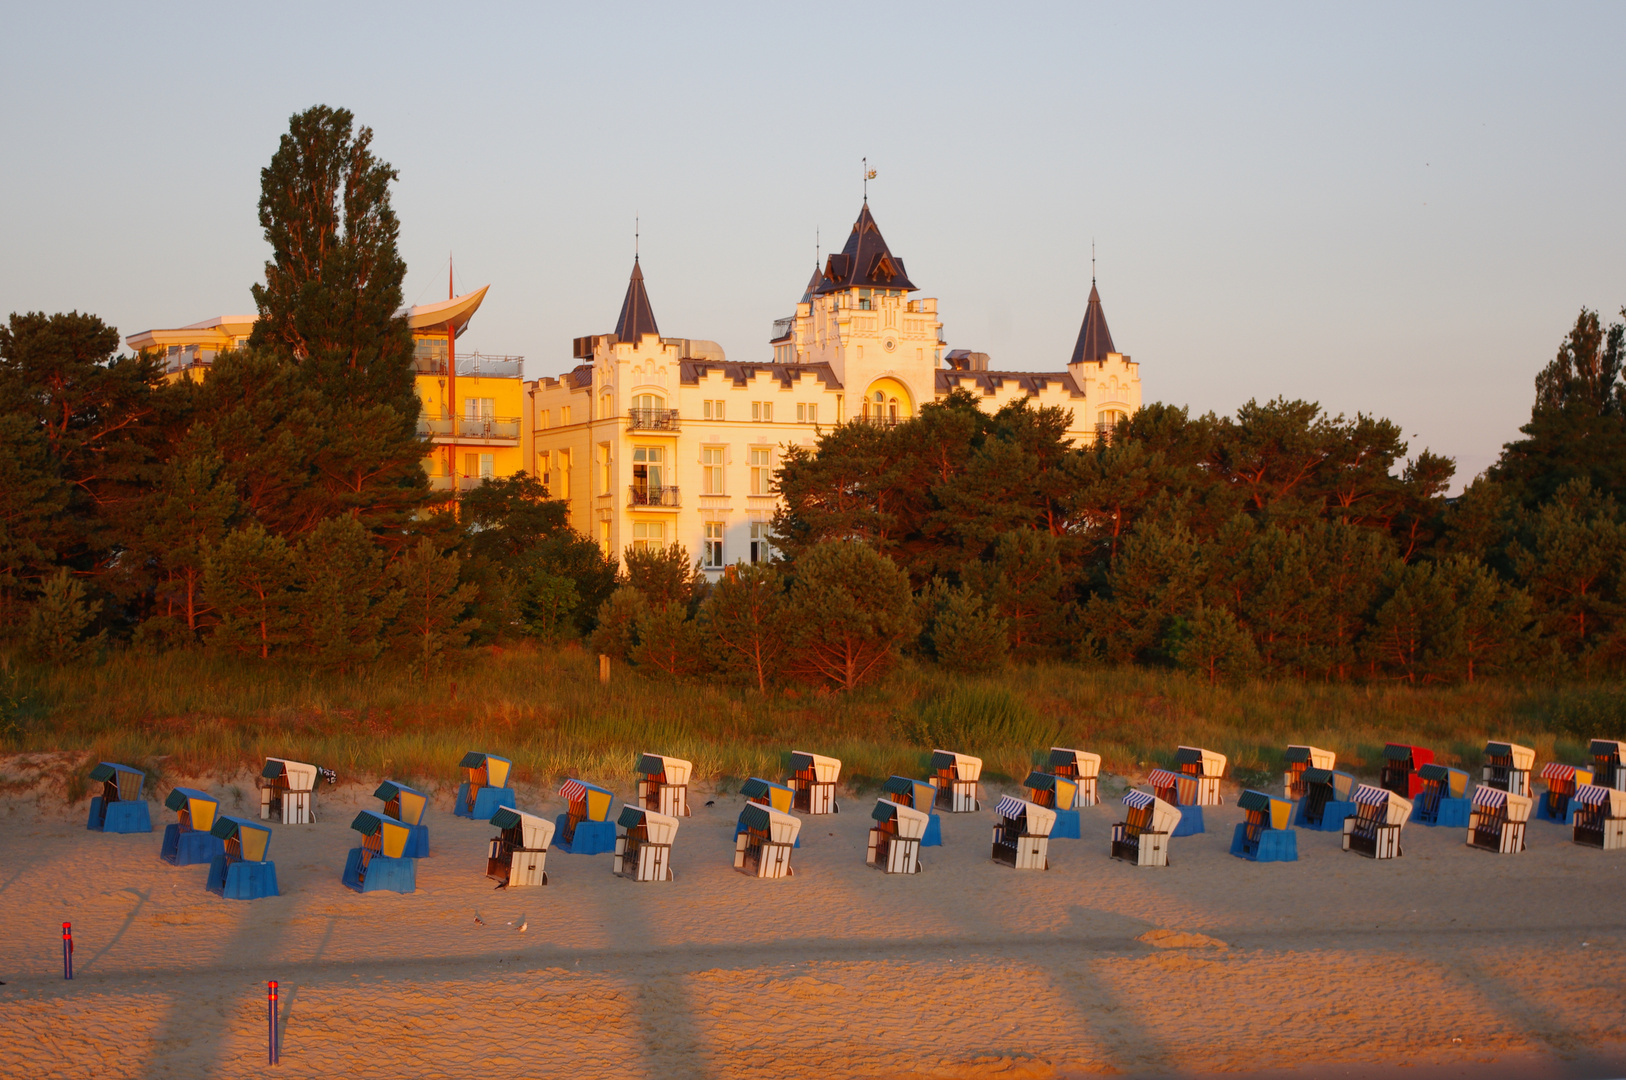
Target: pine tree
pixel 965 634
pixel 1281 601
pixel 1022 584
pixel 187 514
pixel 56 626
pixel 1489 628
pixel 664 575
pixel 1213 643
pixel 546 601
pixel 1154 580
pixel 745 617
pixel 347 597
pixel 1405 629
pixel 851 609
pixel 1351 565
pixel 431 620
pixel 619 618
pixel 33 498
pixel 1569 559
pixel 669 641
pixel 250 582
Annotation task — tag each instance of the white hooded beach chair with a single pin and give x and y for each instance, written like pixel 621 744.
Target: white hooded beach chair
pixel 813 779
pixel 894 841
pixel 1081 767
pixel 663 784
pixel 519 853
pixel 1508 767
pixel 1298 758
pixel 765 840
pixel 1374 828
pixel 1600 817
pixel 1608 763
pixel 1207 766
pixel 1022 837
pixel 1496 820
pixel 957 781
pixel 288 791
pixel 1143 838
pixel 643 851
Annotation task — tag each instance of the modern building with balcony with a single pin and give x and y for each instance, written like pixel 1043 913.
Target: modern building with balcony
pixel 471 419
pixel 654 440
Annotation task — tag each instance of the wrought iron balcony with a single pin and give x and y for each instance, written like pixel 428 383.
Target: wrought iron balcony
pixel 639 495
pixel 652 419
pixel 472 429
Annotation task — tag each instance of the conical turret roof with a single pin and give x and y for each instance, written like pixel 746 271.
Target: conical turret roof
pixel 813 284
pixel 636 317
pixel 865 262
pixel 1094 339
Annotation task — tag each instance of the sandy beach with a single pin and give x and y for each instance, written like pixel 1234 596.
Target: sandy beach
pixel 1447 962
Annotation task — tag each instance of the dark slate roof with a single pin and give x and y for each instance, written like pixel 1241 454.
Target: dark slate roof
pixel 865 262
pixel 813 284
pixel 1094 339
pixel 989 382
pixel 636 317
pixel 741 374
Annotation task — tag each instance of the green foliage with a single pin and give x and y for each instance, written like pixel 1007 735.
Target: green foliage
pixel 1022 582
pixel 664 575
pixel 546 601
pixel 1213 644
pixel 1151 583
pixel 744 616
pixel 188 512
pixel 962 632
pixel 346 596
pixel 619 618
pixel 250 583
pixel 850 608
pixel 431 621
pixel 669 642
pixel 61 616
pixel 1571 557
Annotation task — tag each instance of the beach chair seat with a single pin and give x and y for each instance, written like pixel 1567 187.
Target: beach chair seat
pixel 1507 767
pixel 1562 781
pixel 288 790
pixel 1297 759
pixel 958 779
pixel 813 777
pixel 187 839
pixel 1442 797
pixel 1265 833
pixel 1600 817
pixel 119 808
pixel 408 807
pixel 1329 798
pixel 485 786
pixel 1022 836
pixel 1497 819
pixel 1179 790
pixel 1207 766
pixel 663 784
pixel 896 838
pixel 1401 763
pixel 764 841
pixel 1083 769
pixel 1057 793
pixel 643 850
pixel 241 871
pixel 1143 837
pixel 585 828
pixel 1608 763
pixel 518 854
pixel 380 864
pixel 1374 829
pixel 918 795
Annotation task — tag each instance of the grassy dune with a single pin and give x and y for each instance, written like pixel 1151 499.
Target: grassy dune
pixel 203 715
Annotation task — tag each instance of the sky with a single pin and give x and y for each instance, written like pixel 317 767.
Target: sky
pixel 1389 209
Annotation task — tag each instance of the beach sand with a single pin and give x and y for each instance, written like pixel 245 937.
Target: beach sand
pixel 1446 960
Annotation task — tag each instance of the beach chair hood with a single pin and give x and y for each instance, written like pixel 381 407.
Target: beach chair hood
pixel 1393 810
pixel 1453 782
pixel 826 770
pixel 909 822
pixel 659 828
pixel 199 804
pixel 497 768
pixel 669 770
pixel 299 775
pixel 252 837
pixel 1517 807
pixel 1165 816
pixel 780 827
pixel 127 780
pixel 920 792
pixel 1210 762
pixel 1086 763
pixel 536 833
pixel 594 799
pixel 392 835
pixel 1523 758
pixel 768 793
pixel 412 802
pixel 1312 756
pixel 1612 799
pixel 1037 820
pixel 1278 813
pixel 962 766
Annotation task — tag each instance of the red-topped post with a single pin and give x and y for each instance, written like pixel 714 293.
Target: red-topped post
pixel 271 1006
pixel 67 950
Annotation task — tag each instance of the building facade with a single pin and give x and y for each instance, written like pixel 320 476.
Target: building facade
pixel 654 440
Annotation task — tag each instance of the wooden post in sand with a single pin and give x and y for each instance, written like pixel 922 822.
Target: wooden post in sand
pixel 271 1004
pixel 67 950
pixel 603 668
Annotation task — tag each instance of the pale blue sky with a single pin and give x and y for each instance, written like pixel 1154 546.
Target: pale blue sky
pixel 1395 209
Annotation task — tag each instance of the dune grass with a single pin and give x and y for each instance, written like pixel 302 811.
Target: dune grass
pixel 201 715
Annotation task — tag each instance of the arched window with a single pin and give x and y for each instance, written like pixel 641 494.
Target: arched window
pixel 648 401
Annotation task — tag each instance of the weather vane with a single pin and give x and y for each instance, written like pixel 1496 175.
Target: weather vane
pixel 635 224
pixel 869 174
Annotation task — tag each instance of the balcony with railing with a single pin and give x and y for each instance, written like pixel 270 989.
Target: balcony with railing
pixel 493 430
pixel 472 366
pixel 456 483
pixel 652 419
pixel 643 495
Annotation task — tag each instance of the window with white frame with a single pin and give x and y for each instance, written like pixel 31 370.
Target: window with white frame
pixel 807 413
pixel 564 476
pixel 713 409
pixel 711 470
pixel 606 475
pixel 479 408
pixel 544 472
pixel 761 471
pixel 712 558
pixel 760 551
pixel 762 411
pixel 648 535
